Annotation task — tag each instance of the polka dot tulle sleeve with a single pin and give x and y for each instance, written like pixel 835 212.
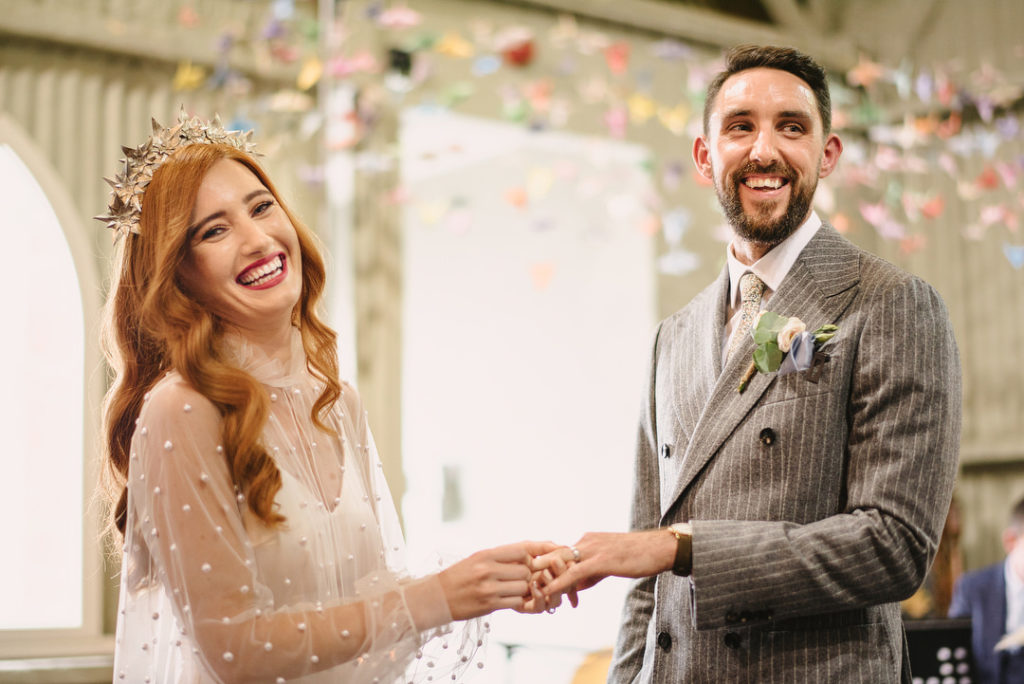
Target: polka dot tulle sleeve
pixel 209 593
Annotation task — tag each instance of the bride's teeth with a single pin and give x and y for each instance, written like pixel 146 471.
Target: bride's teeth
pixel 254 276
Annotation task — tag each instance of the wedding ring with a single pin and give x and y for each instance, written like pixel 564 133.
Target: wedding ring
pixel 549 610
pixel 575 553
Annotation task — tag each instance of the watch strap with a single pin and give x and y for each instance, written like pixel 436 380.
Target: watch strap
pixel 683 564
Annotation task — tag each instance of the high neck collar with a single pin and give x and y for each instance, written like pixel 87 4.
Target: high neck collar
pixel 285 370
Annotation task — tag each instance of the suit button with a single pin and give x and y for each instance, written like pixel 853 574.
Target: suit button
pixel 767 437
pixel 732 639
pixel 666 451
pixel 664 640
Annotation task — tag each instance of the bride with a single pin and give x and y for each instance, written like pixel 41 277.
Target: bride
pixel 261 543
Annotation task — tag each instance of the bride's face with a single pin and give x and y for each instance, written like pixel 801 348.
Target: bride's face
pixel 243 259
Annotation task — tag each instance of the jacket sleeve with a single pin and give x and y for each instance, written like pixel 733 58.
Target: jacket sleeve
pixel 960 605
pixel 902 419
pixel 646 512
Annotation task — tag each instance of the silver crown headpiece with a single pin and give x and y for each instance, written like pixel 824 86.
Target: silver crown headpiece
pixel 141 162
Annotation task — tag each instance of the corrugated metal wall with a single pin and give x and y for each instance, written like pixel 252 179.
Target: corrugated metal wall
pixel 80 108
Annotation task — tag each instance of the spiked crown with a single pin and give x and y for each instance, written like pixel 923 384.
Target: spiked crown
pixel 141 162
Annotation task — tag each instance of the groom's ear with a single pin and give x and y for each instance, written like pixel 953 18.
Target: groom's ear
pixel 702 157
pixel 830 155
pixel 1011 539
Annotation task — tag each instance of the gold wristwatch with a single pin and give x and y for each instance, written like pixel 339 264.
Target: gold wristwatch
pixel 683 533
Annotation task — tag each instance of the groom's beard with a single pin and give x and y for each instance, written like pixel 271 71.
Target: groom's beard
pixel 760 227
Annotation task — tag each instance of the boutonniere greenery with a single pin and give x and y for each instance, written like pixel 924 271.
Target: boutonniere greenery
pixel 784 345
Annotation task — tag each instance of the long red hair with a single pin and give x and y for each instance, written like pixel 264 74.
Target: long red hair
pixel 152 325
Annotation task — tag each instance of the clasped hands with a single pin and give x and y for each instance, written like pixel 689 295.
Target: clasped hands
pixel 532 577
pixel 568 570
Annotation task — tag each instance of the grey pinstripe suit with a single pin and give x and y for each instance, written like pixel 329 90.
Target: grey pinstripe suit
pixel 815 506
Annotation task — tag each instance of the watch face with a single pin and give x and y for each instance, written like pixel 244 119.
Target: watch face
pixel 680 528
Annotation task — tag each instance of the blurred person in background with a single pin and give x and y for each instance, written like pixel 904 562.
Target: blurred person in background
pixel 993 597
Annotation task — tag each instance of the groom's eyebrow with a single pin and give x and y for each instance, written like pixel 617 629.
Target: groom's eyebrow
pixel 785 114
pixel 796 115
pixel 734 113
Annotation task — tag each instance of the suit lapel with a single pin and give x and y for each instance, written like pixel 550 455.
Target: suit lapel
pixel 817 289
pixel 697 364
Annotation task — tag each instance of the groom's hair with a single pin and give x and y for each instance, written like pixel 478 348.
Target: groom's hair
pixel 743 57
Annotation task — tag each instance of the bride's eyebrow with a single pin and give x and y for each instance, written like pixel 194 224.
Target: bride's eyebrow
pixel 219 214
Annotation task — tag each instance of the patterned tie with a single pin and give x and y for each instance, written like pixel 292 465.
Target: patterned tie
pixel 751 289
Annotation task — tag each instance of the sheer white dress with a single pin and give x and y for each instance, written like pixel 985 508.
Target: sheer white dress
pixel 209 593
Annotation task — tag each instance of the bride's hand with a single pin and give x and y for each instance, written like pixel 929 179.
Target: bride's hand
pixel 554 564
pixel 536 601
pixel 493 579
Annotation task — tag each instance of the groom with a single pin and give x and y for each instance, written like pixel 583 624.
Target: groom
pixel 775 529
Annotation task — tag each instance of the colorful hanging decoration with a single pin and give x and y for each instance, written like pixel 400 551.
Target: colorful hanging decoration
pixel 953 147
pixel 516 46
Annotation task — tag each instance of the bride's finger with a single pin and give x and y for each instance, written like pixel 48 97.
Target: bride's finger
pixel 546 559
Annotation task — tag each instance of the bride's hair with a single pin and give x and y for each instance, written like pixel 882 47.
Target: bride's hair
pixel 152 324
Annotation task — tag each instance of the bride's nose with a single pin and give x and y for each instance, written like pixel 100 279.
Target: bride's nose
pixel 255 240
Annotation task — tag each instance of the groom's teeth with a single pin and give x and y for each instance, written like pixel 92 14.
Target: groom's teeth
pixel 758 183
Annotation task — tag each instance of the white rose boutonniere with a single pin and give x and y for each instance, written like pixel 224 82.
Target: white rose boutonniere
pixel 793 327
pixel 784 341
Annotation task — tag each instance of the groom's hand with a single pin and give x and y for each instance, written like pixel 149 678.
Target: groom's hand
pixel 604 554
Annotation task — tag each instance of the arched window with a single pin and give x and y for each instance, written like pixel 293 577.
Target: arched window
pixel 50 580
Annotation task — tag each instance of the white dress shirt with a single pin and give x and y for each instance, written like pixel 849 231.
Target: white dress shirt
pixel 771 269
pixel 1014 599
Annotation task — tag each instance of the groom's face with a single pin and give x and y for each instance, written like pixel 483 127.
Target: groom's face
pixel 765 150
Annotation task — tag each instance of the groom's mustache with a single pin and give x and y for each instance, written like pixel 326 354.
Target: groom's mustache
pixel 776 168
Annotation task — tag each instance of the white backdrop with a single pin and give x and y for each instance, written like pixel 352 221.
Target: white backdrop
pixel 528 310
